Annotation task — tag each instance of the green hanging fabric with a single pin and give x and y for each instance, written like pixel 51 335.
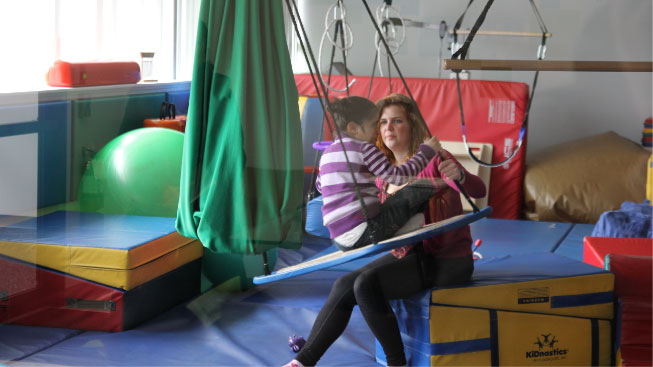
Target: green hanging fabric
pixel 242 173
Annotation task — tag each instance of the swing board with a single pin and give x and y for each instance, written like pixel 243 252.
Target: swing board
pixel 341 257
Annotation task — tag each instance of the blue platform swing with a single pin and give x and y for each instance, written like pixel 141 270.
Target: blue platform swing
pixel 339 257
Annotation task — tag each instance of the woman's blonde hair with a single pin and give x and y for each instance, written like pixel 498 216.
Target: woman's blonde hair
pixel 416 123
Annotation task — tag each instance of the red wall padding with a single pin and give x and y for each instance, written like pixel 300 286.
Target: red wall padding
pixel 493 114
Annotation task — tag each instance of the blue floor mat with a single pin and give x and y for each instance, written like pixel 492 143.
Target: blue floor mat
pixel 249 328
pixel 18 342
pixel 502 237
pixel 572 245
pixel 499 237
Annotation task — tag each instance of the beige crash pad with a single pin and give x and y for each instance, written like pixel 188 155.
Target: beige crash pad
pixel 576 181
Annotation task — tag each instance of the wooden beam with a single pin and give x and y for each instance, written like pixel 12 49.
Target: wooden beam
pixel 548 65
pixel 502 33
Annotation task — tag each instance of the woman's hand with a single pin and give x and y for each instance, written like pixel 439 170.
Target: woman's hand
pixel 434 143
pixel 450 170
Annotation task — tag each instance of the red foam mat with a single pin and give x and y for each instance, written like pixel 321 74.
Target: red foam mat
pixel 595 248
pixel 493 114
pixel 633 281
pixel 32 295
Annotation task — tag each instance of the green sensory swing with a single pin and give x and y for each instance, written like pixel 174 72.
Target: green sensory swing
pixel 242 170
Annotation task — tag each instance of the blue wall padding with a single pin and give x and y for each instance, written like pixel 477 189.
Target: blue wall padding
pixel 632 220
pixel 180 99
pixel 314 224
pixel 52 127
pixel 572 245
pixel 311 125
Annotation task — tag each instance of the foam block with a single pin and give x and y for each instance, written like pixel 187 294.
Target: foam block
pixel 32 295
pixel 633 288
pixel 462 336
pixel 596 248
pixel 121 251
pixel 535 294
pixel 546 283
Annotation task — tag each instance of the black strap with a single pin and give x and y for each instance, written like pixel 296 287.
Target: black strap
pixel 401 76
pixel 167 110
pixel 297 24
pixel 459 22
pixel 595 342
pixel 462 52
pixel 494 338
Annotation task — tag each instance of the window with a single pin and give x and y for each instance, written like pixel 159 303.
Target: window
pixel 35 33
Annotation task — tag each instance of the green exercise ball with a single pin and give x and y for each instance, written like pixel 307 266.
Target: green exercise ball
pixel 136 173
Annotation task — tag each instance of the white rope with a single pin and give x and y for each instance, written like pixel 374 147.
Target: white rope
pixel 339 15
pixel 394 42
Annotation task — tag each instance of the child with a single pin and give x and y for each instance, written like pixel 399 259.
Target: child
pixel 356 118
pixel 441 261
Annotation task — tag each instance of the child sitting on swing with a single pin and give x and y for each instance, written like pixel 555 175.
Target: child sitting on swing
pixel 352 225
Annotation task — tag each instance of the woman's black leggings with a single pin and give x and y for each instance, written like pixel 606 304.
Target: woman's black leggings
pixel 370 287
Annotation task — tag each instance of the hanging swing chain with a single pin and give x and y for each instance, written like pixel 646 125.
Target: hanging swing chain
pixel 328 104
pixel 419 113
pixel 462 52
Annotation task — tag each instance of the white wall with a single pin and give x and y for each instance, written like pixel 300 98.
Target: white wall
pixel 567 105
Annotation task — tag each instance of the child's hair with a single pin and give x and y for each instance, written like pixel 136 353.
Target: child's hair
pixel 352 109
pixel 416 123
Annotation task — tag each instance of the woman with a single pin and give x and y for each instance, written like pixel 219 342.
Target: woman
pixel 442 260
pixel 400 128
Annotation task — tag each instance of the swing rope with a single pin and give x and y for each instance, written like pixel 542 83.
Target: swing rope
pixel 378 30
pixel 295 20
pixel 461 53
pixel 347 42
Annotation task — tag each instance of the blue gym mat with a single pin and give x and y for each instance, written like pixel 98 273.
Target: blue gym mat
pixel 249 328
pixel 68 228
pixel 217 329
pixel 572 245
pixel 500 237
pixel 18 342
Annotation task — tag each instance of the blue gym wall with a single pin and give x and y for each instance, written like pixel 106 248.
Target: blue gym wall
pixel 71 132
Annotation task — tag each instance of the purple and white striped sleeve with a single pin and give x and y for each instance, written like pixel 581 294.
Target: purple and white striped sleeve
pixel 381 167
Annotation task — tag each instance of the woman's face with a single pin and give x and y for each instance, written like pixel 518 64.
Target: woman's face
pixel 395 129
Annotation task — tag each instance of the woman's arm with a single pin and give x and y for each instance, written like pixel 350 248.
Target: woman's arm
pixel 450 169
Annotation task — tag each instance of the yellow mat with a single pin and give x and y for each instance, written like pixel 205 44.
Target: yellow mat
pixel 116 250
